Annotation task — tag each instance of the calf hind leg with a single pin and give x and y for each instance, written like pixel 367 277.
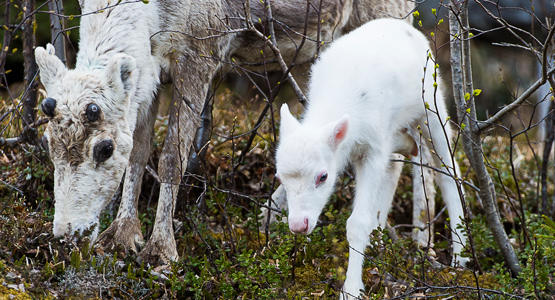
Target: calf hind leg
pixel 423 197
pixel 452 193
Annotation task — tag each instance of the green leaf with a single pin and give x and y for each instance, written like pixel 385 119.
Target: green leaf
pixel 467 96
pixel 463 126
pixel 434 11
pixel 415 14
pixel 476 92
pixel 439 22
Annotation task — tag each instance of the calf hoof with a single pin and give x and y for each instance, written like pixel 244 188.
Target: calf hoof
pixel 126 232
pixel 159 250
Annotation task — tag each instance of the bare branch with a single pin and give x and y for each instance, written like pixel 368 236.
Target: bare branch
pixel 275 49
pixel 482 125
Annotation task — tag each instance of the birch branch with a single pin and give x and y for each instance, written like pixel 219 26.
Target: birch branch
pixel 515 104
pixel 272 43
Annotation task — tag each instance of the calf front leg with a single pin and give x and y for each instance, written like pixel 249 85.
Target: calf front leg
pixel 373 199
pixel 279 202
pixel 126 228
pixel 161 247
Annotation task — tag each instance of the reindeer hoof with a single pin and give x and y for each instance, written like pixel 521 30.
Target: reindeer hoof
pixel 159 249
pixel 126 233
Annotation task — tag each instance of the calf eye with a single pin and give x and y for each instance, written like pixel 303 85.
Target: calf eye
pixel 103 150
pixel 321 178
pixel 93 112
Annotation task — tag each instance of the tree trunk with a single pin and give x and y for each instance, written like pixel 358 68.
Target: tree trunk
pixel 31 70
pixel 472 144
pixel 56 28
pixel 548 144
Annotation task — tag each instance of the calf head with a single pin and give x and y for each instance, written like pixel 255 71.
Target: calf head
pixel 306 160
pixel 88 137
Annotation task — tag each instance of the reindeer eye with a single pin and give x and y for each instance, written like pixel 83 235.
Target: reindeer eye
pixel 103 150
pixel 93 112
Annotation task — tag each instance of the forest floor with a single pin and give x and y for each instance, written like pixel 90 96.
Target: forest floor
pixel 223 255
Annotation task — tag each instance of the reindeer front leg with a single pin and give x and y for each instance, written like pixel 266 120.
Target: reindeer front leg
pixel 376 182
pixel 191 79
pixel 161 247
pixel 126 228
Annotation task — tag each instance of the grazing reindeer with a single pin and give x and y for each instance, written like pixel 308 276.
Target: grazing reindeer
pixel 365 103
pixel 102 112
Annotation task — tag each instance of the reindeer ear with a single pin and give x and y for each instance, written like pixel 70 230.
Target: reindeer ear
pixel 338 132
pixel 288 122
pixel 119 72
pixel 51 67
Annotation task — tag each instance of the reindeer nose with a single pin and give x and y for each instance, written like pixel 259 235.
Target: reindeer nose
pixel 299 227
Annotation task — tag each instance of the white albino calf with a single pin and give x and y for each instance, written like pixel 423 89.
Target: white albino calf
pixel 365 104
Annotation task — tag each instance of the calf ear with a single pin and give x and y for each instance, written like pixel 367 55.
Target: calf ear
pixel 338 132
pixel 51 67
pixel 288 122
pixel 120 74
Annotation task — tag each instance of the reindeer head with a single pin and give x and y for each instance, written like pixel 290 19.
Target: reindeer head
pixel 306 161
pixel 88 137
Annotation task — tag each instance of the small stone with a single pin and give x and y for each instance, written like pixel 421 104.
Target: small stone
pixel 13 286
pixel 11 276
pixel 120 264
pixel 12 296
pixel 161 277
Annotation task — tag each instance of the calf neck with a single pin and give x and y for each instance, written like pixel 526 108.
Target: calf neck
pixel 366 102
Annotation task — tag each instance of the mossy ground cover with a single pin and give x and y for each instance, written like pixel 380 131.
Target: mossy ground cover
pixel 223 255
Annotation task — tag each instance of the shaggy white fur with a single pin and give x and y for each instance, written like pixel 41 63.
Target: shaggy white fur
pixel 365 92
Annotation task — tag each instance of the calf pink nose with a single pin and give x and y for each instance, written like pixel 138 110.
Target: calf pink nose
pixel 299 227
